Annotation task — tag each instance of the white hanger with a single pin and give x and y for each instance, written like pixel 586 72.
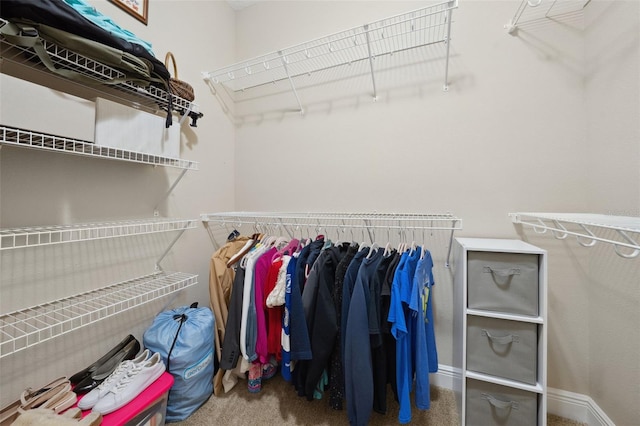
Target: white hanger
pixel 374 249
pixel 387 249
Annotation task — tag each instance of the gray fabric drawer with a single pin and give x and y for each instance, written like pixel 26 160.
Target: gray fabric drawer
pixel 503 348
pixel 503 282
pixel 490 404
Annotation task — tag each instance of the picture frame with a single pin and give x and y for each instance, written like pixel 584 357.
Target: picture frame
pixel 136 8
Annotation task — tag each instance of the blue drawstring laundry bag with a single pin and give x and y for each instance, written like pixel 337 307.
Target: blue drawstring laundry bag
pixel 184 339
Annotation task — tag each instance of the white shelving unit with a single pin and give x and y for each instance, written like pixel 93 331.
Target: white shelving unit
pixel 151 97
pixel 12 136
pixel 32 325
pixel 500 332
pixel 28 327
pixel 583 225
pixel 422 27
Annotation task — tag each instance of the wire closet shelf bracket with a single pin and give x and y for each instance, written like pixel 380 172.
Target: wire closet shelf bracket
pixel 582 226
pixel 421 27
pixel 371 225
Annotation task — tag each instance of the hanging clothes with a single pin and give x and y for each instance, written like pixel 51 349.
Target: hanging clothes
pixel 425 348
pixel 348 317
pixel 286 319
pixel 347 290
pixel 358 380
pixel 261 273
pixel 273 308
pixel 388 338
pixel 358 365
pixel 231 343
pixel 220 285
pixel 336 379
pixel 248 325
pixel 379 345
pixel 320 313
pixel 404 330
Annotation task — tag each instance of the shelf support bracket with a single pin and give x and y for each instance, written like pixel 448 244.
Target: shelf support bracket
pixel 447 263
pixel 588 232
pixel 157 206
pixel 448 43
pixel 373 75
pixel 293 86
pixel 177 237
pixel 631 241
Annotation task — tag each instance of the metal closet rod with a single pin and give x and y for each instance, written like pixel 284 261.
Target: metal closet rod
pixel 318 221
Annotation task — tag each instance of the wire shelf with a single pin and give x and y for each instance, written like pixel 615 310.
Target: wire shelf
pixel 421 27
pixel 27 327
pixel 30 139
pixel 531 11
pixel 59 234
pixel 290 222
pixel 403 221
pixel 579 225
pixel 150 97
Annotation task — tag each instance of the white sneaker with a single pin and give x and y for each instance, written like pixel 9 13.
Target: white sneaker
pixel 89 400
pixel 131 384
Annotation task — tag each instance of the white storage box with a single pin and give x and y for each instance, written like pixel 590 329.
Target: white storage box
pixel 119 126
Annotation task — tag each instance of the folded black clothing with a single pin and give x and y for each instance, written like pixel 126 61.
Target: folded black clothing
pixel 58 14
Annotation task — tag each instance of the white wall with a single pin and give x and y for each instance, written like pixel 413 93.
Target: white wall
pixel 39 188
pixel 515 132
pixel 612 48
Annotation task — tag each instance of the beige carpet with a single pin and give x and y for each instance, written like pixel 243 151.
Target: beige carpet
pixel 278 404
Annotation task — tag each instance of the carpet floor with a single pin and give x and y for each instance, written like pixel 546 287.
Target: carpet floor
pixel 278 404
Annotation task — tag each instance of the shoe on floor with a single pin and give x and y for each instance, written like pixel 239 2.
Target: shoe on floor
pixel 268 371
pixel 89 400
pixel 131 384
pixel 254 382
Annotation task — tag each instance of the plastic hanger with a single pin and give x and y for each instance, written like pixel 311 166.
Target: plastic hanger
pixel 387 249
pixel 245 249
pixel 374 248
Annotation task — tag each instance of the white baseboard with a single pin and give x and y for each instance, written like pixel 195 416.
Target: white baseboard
pixel 576 406
pixel 562 403
pixel 444 377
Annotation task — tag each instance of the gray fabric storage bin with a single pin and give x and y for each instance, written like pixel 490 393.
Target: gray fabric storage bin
pixel 503 348
pixel 503 282
pixel 491 404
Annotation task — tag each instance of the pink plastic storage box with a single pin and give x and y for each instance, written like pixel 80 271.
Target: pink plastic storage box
pixel 148 409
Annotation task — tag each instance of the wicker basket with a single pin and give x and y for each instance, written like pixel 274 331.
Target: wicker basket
pixel 178 87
